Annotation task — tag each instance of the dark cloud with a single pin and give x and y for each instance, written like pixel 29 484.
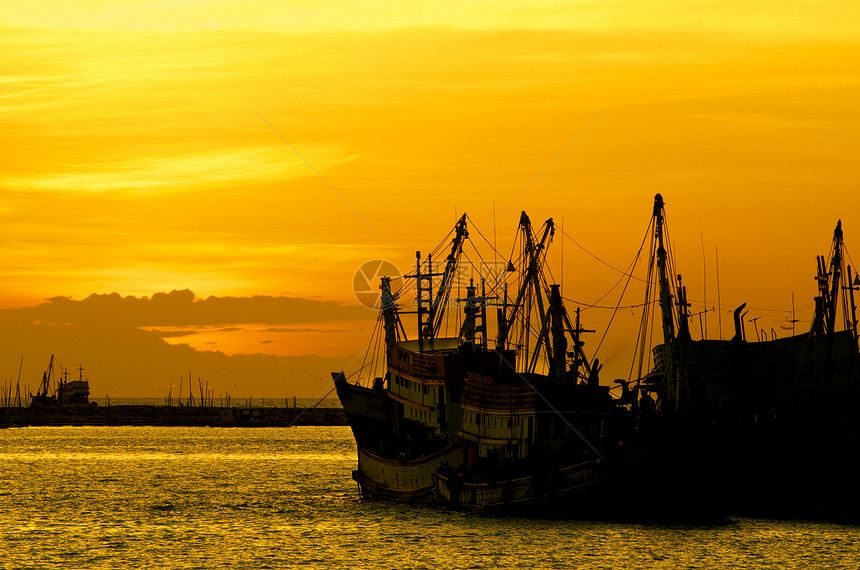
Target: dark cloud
pixel 184 308
pixel 103 334
pixel 306 330
pixel 174 334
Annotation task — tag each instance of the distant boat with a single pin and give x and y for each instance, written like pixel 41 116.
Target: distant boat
pixel 64 393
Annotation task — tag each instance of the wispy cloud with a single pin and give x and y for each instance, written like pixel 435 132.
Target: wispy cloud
pixel 302 16
pixel 204 171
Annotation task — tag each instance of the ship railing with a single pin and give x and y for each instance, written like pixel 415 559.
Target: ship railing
pixel 499 396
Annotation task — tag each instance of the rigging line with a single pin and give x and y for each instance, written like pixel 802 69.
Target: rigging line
pixel 382 353
pixel 324 179
pixel 611 289
pixel 472 263
pixel 374 356
pixel 648 315
pixel 433 253
pixel 474 226
pixel 356 371
pixel 306 408
pixel 373 338
pixel 850 261
pixel 628 272
pixel 409 284
pixel 550 165
pixel 485 264
pixel 590 306
pixel 580 246
pixel 627 284
pixel 441 245
pixel 476 271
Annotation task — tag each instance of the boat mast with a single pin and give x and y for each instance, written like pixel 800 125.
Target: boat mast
pixel 853 286
pixel 665 292
pixel 46 379
pixel 475 321
pixel 558 357
pixel 425 315
pixel 431 308
pixel 437 306
pixel 683 310
pixel 579 358
pixel 836 272
pixel 390 317
pixel 531 281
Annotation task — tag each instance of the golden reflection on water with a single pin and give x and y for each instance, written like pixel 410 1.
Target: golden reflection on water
pixel 115 497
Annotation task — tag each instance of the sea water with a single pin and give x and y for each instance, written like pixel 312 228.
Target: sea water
pixel 175 497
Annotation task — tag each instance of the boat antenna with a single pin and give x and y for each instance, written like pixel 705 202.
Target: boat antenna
pixel 719 303
pixel 705 286
pixel 793 317
pixel 495 249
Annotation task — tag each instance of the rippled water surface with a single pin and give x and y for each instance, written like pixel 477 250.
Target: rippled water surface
pixel 115 497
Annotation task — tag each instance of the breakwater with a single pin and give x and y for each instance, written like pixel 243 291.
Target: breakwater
pixel 154 415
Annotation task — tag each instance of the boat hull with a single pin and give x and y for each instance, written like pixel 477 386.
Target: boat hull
pixel 564 484
pixel 401 480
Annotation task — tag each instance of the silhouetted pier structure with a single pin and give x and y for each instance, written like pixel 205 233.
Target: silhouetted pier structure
pixel 158 415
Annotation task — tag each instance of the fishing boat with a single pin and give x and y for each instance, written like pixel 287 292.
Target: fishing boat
pixel 756 380
pixel 63 393
pixel 777 418
pixel 457 420
pixel 406 423
pixel 518 419
pixel 559 442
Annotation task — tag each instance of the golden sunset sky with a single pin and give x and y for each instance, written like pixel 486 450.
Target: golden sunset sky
pixel 260 148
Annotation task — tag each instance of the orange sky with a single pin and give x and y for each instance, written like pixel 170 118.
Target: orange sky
pixel 269 148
